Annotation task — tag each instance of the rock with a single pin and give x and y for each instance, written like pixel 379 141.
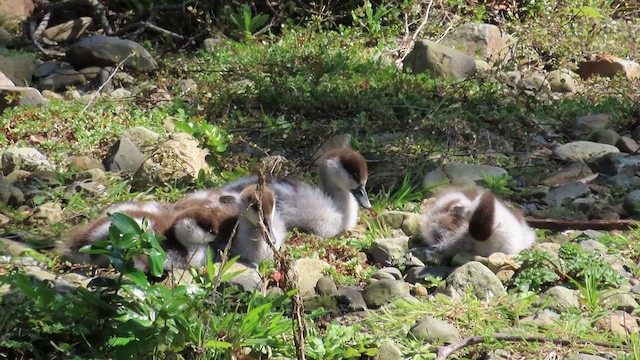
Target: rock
pixel 430 329
pixel 178 160
pixel 9 194
pixel 609 66
pixel 568 174
pixel 462 258
pixel 416 275
pixel 631 202
pixel 107 50
pixel 535 83
pixel 18 68
pixel 583 150
pixel 593 121
pixel 210 44
pixel 308 272
pixel 389 251
pixel 326 286
pixel 498 354
pixel 511 78
pixel 606 136
pixel 387 273
pixel 15 11
pixel 560 299
pixel 62 80
pixel 90 188
pixel 68 31
pixel 505 275
pixel 462 174
pixel 439 60
pixel 380 292
pixel 349 299
pixel 499 261
pixel 627 144
pixel 12 248
pixel 483 40
pixel 604 213
pixel 388 351
pixel 120 93
pixel 5 81
pixel 544 317
pixel 584 357
pixel 615 164
pixel 82 163
pixel 187 86
pixel 619 323
pixel 11 96
pixel 141 136
pixel 124 156
pixel 46 214
pixel 621 301
pixel 483 282
pixel 482 66
pixel 393 218
pixel 593 245
pixel 562 81
pixel 419 290
pixel 72 94
pixel 411 225
pixel 5 37
pixel 570 191
pixel 24 158
pixel 248 280
pixel 635 134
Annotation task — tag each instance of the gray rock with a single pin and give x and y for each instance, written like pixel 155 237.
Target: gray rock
pixel 141 136
pixel 498 354
pixel 46 214
pixel 101 80
pixel 614 164
pixel 619 323
pixel 68 31
pixel 387 273
pixel 631 202
pixel 439 60
pixel 463 257
pixel 125 156
pixel 481 40
pixel 83 162
pixel 621 301
pixel 535 82
pixel 388 351
pixel 24 158
pixel 462 174
pixel 248 280
pixel 483 282
pixel 11 96
pixel 593 245
pixel 606 136
pixel 388 251
pixel 187 86
pixel 10 194
pixel 511 78
pixel 62 80
pixel 349 299
pixel 380 292
pixel 12 248
pixel 593 121
pixel 430 329
pixel 570 191
pixel 544 317
pixel 417 275
pixel 482 66
pixel 5 81
pixel 178 160
pixel 627 145
pixel 560 299
pixel 562 81
pixel 18 68
pixel 326 286
pixel 5 37
pixel 106 51
pixel 584 357
pixel 568 174
pixel 308 272
pixel 120 93
pixel 583 150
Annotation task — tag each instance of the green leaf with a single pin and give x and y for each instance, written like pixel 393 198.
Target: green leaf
pixel 120 341
pixel 218 344
pixel 125 224
pixel 351 353
pixel 138 278
pixel 156 262
pixel 258 21
pixel 587 11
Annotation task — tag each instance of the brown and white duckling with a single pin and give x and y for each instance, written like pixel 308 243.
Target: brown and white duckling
pixel 474 221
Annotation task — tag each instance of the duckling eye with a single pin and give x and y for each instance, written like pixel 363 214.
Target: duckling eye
pixel 205 224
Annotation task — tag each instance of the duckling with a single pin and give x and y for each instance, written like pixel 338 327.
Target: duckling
pixel 326 210
pixel 474 221
pixel 158 219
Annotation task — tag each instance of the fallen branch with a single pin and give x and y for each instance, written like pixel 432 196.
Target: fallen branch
pixel 565 224
pixel 447 350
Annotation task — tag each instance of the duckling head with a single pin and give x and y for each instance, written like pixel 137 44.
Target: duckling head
pixel 202 225
pixel 346 170
pixel 249 206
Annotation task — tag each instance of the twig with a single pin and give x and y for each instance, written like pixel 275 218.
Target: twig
pixel 566 224
pixel 447 350
pixel 113 73
pixel 148 25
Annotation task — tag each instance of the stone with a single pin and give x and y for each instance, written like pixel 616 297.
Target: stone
pixel 83 162
pixel 618 322
pixel 124 156
pixel 482 66
pixel 461 174
pixel 559 299
pixel 593 245
pixel 439 60
pixel 484 41
pixel 187 86
pixel 247 280
pixel 15 11
pixel 609 66
pixel 535 83
pixel 46 214
pixel 24 158
pixel 308 272
pixel 387 273
pixel 615 164
pixel 5 81
pixel 582 151
pixel 102 50
pixel 5 37
pixel 568 174
pixel 511 78
pixel 621 301
pixel 430 329
pixel 631 202
pixel 12 248
pixel 562 81
pixel 393 218
pixel 544 317
pixel 120 93
pixel 593 121
pixel 411 225
pixel 570 191
pixel 349 299
pixel 90 188
pixel 388 351
pixel 606 136
pixel 10 194
pixel 18 68
pixel 584 357
pixel 326 286
pixel 627 144
pixel 68 31
pixel 388 251
pixel 463 257
pixel 11 96
pixel 499 261
pixel 481 281
pixel 177 160
pixel 418 274
pixel 141 136
pixel 62 80
pixel 380 292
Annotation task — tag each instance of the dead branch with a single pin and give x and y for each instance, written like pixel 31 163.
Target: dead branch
pixel 565 224
pixel 148 25
pixel 447 350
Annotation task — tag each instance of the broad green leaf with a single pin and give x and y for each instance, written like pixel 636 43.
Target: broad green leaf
pixel 587 11
pixel 218 344
pixel 138 278
pixel 125 223
pixel 120 341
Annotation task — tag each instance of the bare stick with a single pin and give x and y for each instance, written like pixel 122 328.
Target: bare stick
pixel 113 73
pixel 445 351
pixel 151 26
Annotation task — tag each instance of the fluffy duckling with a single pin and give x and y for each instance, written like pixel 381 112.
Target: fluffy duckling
pixel 326 210
pixel 158 218
pixel 473 221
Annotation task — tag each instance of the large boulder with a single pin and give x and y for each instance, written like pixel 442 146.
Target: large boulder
pixel 107 50
pixel 439 60
pixel 11 96
pixel 481 40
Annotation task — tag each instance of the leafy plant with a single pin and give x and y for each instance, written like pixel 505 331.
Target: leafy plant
pixel 247 23
pixel 498 185
pixel 210 136
pixel 340 342
pixel 369 19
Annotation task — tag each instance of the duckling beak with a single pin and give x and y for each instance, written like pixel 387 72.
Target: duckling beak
pixel 361 195
pixel 272 235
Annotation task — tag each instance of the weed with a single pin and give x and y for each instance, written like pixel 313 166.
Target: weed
pixel 248 24
pixel 499 185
